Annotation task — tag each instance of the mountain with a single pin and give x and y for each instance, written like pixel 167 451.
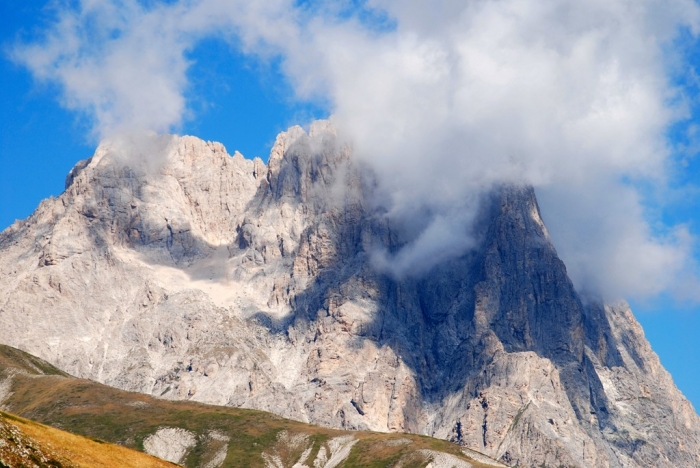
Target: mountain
pixel 193 434
pixel 174 269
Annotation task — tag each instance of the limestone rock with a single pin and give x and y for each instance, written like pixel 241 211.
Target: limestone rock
pixel 203 276
pixel 169 443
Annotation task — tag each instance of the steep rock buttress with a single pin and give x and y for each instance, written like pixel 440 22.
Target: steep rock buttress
pixel 199 275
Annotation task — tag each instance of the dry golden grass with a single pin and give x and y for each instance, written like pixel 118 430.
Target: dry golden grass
pixel 43 393
pixel 81 451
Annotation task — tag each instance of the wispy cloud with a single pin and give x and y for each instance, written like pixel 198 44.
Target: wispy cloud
pixel 444 99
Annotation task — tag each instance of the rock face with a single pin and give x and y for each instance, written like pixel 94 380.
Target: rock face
pixel 214 278
pixel 170 443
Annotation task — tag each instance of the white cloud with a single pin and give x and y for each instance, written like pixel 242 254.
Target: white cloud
pixel 572 97
pixel 120 64
pixel 609 248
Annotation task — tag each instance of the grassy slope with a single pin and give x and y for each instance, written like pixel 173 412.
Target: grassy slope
pixel 27 443
pixel 41 392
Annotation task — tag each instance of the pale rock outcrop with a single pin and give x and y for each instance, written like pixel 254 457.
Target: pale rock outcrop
pixel 203 276
pixel 5 390
pixel 329 454
pixel 219 443
pixel 444 460
pixel 170 443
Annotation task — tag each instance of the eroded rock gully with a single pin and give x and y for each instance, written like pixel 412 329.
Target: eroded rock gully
pixel 199 275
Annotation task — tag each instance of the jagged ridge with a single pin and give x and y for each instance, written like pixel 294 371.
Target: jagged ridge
pixel 219 279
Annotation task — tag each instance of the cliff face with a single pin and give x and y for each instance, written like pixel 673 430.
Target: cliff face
pixel 218 279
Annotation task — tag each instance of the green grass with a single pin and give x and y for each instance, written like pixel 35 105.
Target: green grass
pixel 14 358
pixel 105 414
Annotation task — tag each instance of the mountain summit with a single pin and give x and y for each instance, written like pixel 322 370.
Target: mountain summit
pixel 193 274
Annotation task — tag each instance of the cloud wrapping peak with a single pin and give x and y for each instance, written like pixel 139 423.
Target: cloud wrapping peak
pixel 116 62
pixel 444 99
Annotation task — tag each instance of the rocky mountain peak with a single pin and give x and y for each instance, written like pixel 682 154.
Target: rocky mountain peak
pixel 197 275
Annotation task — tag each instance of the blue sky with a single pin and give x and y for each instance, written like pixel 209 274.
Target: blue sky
pixel 243 90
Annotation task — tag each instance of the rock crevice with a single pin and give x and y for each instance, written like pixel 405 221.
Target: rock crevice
pixel 219 279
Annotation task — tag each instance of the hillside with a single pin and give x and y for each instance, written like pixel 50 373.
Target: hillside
pixel 193 434
pixel 25 443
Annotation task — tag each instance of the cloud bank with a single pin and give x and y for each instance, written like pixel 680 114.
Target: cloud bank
pixel 445 99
